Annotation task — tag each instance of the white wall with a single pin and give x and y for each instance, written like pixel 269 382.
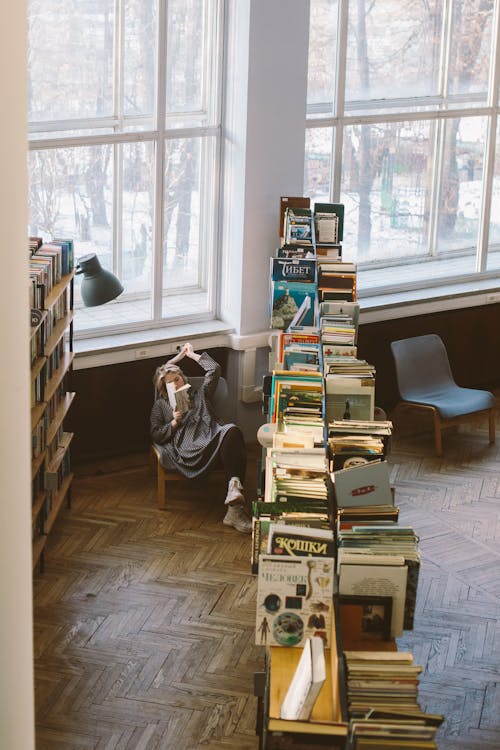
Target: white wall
pixel 16 650
pixel 264 146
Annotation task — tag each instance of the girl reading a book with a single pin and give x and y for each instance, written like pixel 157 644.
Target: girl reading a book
pixel 196 440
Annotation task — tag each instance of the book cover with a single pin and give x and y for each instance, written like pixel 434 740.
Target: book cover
pixel 307 681
pixel 296 269
pixel 360 577
pixel 292 303
pixel 298 226
pixel 300 541
pixel 179 398
pixel 364 484
pixel 294 600
pixel 349 398
pixel 301 357
pixel 333 216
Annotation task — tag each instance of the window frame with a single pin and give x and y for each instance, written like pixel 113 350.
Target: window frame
pixel 118 130
pixel 440 109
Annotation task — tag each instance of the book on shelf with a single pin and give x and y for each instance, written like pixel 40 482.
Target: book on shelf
pixel 54 254
pixel 382 692
pixel 364 484
pixel 328 251
pixel 298 389
pixel 292 303
pixel 336 281
pixel 312 426
pixel 290 201
pixel 332 308
pixel 360 427
pixel 294 600
pixel 178 397
pixel 279 340
pixel 301 357
pixel 296 251
pixel 382 540
pixel 301 541
pixel 306 683
pixel 67 253
pixel 298 226
pixel 296 440
pixel 329 222
pixel 351 442
pixel 295 269
pixel 297 476
pixel 385 576
pixel 366 515
pixel 265 514
pixel 349 397
pixel 338 350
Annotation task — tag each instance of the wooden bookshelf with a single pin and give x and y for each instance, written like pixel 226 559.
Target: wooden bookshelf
pixel 51 401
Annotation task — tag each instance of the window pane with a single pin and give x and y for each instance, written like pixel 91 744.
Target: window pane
pixel 461 185
pixel 494 236
pixel 470 46
pixel 318 171
pixel 138 198
pixel 322 56
pixel 386 184
pixel 71 196
pixel 188 245
pixel 403 37
pixel 190 53
pixel 70 59
pixel 139 66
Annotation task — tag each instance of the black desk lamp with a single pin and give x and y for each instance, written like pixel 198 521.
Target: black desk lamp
pixel 98 285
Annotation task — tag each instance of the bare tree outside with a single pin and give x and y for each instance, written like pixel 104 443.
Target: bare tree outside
pixel 396 55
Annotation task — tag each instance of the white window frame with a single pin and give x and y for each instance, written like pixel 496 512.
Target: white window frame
pixel 343 116
pixel 159 136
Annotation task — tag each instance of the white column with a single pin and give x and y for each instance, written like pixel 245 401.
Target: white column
pixel 16 649
pixel 264 146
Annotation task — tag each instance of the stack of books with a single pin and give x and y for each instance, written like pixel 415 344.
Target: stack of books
pixel 369 544
pixel 354 442
pixel 329 230
pixel 382 694
pixel 336 281
pixel 296 402
pixel 364 495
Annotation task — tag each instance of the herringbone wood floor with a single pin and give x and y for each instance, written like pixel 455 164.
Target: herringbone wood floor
pixel 144 619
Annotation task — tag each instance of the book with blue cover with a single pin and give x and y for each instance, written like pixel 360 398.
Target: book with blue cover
pixel 293 303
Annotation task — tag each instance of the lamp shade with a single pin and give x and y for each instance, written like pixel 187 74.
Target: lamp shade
pixel 98 285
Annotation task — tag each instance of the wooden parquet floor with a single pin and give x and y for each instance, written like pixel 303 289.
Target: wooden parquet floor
pixel 144 618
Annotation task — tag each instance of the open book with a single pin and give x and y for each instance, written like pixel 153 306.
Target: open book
pixel 306 683
pixel 178 399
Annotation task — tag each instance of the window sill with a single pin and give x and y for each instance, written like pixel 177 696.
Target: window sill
pixel 162 342
pixel 375 309
pixel 147 344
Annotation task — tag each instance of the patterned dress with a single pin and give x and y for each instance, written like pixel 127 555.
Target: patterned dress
pixel 194 445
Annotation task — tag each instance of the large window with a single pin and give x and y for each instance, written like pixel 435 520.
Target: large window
pixel 402 129
pixel 124 109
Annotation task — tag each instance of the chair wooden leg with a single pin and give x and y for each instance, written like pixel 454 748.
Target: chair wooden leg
pixel 491 418
pixel 438 435
pixel 162 488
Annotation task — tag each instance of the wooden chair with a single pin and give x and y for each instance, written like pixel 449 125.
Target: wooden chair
pixel 425 381
pixel 220 402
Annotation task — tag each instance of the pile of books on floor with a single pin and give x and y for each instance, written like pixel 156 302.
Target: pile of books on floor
pixel 382 695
